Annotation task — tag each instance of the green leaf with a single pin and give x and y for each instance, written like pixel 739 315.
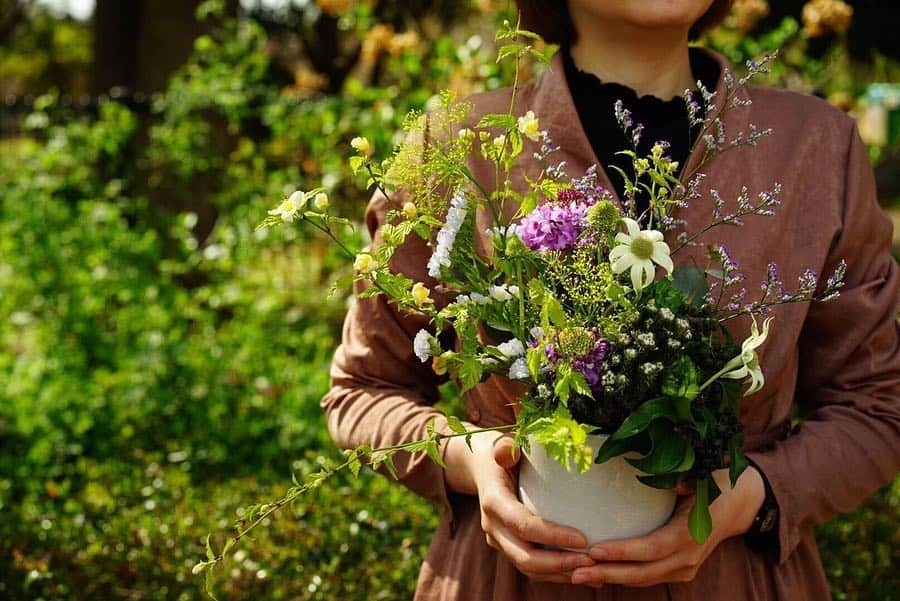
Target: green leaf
pixel 641 417
pixel 738 461
pixel 470 371
pixel 699 520
pixel 691 282
pixel 661 481
pixel 612 447
pixel 354 463
pixel 210 555
pixel 497 120
pixel 554 312
pixel 515 49
pixel 533 358
pixel 670 452
pixel 681 384
pixel 356 162
pixel 455 425
pixel 432 449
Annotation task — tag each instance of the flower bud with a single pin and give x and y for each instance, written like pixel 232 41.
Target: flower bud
pixel 199 567
pixel 321 201
pixel 410 210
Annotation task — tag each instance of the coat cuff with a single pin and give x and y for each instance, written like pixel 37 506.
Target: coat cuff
pixel 787 535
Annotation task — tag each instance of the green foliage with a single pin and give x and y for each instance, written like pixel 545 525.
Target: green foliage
pixel 161 361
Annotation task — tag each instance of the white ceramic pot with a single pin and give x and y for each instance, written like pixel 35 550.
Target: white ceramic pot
pixel 607 502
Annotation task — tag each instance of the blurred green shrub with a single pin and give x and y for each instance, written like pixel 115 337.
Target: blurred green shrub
pixel 161 362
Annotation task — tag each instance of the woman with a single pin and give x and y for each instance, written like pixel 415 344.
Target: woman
pixel 840 360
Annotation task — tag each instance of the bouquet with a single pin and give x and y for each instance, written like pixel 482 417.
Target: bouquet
pixel 570 293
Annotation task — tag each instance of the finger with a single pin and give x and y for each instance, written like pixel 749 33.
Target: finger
pixel 680 567
pixel 532 560
pixel 525 525
pixel 659 544
pixel 506 454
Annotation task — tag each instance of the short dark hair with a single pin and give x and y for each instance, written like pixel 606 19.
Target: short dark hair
pixel 550 19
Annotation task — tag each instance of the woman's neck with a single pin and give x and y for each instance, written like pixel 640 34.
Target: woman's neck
pixel 654 62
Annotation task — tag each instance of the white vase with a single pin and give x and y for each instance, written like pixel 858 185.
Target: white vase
pixel 605 503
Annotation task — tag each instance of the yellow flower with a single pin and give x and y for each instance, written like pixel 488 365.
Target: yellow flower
pixel 365 263
pixel 466 134
pixel 289 207
pixel 410 210
pixel 421 295
pixel 529 126
pixel 361 145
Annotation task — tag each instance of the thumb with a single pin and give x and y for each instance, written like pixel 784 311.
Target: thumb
pixel 506 454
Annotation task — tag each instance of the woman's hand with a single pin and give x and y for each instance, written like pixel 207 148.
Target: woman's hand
pixel 669 554
pixel 490 471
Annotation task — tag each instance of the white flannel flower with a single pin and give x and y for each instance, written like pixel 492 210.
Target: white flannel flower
pixel 519 370
pixel 290 206
pixel 638 250
pixel 500 293
pixel 422 345
pixel 529 126
pixel 512 348
pixel 746 365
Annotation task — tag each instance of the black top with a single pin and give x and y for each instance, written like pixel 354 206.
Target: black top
pixel 662 119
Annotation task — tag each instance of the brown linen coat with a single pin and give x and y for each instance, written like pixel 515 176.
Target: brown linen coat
pixel 840 360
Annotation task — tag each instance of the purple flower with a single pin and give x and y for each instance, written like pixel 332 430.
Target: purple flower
pixel 591 365
pixel 554 226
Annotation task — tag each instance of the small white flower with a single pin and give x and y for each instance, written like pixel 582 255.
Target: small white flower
pixel 500 293
pixel 638 250
pixel 512 348
pixel 537 332
pixel 422 345
pixel 519 369
pixel 289 207
pixel 747 363
pixel 529 126
pixel 514 290
pixel 479 299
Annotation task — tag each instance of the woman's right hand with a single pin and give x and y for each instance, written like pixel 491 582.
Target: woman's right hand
pixel 490 470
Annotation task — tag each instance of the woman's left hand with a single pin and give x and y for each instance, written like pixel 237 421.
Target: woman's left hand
pixel 669 554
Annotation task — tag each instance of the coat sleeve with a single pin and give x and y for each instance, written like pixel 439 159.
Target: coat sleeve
pixel 381 393
pixel 848 445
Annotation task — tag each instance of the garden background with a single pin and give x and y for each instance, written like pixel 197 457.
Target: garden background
pixel 161 361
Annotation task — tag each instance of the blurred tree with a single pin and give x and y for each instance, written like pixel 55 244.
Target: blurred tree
pixel 138 44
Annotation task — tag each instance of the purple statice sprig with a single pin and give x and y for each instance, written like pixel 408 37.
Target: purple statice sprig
pixel 627 124
pixel 806 290
pixel 763 206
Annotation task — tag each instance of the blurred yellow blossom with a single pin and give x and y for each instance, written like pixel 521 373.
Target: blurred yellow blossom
pixel 364 263
pixel 321 201
pixel 421 294
pixel 410 210
pixel 826 16
pixel 361 145
pixel 746 13
pixel 529 126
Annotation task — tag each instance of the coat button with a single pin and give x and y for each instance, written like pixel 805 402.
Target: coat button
pixel 474 415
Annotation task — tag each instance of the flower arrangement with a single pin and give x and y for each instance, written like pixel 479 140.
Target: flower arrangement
pixel 576 297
